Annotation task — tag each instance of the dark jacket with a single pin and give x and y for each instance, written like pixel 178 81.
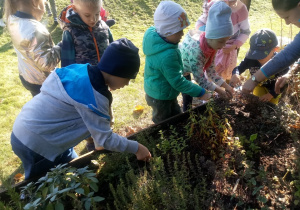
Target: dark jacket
pixel 254 66
pixel 78 42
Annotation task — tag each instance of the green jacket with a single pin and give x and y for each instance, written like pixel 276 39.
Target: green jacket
pixel 163 78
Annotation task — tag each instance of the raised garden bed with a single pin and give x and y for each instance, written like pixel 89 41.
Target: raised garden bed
pixel 220 155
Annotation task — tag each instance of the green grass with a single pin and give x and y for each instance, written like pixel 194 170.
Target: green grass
pixel 132 17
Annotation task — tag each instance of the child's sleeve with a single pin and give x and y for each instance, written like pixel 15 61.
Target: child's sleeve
pixel 271 88
pixel 172 71
pixel 110 36
pixel 244 27
pixel 213 77
pixel 201 22
pixel 97 122
pixel 43 52
pixel 199 75
pixel 67 50
pixel 244 65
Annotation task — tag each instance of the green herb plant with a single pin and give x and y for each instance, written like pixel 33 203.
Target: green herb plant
pixel 173 143
pixel 208 132
pixel 63 186
pixel 251 144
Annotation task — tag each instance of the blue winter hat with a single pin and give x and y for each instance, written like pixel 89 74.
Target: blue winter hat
pixel 121 59
pixel 219 24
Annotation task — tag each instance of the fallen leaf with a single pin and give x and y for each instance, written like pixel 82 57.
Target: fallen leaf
pixel 130 130
pixel 18 177
pixel 297 126
pixel 138 109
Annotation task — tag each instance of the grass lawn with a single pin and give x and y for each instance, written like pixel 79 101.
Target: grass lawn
pixel 132 17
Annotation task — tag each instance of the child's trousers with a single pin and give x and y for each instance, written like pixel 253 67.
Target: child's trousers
pixel 260 91
pixel 187 100
pixel 35 164
pixel 163 109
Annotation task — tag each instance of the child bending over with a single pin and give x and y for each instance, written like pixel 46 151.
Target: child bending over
pixel 199 49
pixel 263 46
pixel 163 78
pixel 85 37
pixel 73 104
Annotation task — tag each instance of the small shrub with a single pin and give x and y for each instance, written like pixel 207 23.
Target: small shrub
pixel 63 186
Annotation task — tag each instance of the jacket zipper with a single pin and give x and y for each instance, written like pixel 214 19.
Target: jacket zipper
pixel 95 42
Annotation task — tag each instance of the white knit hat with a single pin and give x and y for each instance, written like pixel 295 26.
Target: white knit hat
pixel 169 18
pixel 219 24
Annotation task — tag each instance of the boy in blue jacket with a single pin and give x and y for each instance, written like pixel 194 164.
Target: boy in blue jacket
pixel 73 105
pixel 163 78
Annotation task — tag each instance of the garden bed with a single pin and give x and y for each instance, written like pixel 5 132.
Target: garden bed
pixel 232 155
pixel 222 155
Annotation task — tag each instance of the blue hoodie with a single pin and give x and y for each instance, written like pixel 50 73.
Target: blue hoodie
pixel 69 109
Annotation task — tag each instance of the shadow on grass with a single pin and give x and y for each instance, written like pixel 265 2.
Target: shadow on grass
pixel 6 47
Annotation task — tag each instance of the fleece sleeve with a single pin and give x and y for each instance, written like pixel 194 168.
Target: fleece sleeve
pixel 98 124
pixel 283 59
pixel 172 71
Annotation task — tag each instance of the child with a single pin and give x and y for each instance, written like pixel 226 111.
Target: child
pixel 104 14
pixel 198 51
pixel 37 55
pixel 226 58
pixel 263 46
pixel 85 35
pixel 163 79
pixel 73 104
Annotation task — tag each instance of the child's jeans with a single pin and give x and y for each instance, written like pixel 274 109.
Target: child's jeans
pixel 187 100
pixel 163 109
pixel 35 164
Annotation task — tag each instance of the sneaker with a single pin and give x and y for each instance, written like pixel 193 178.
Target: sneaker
pixel 2 24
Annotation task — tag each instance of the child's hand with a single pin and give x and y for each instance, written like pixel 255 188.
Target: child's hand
pixel 221 92
pixel 280 82
pixel 235 80
pixel 143 153
pixel 205 97
pixel 267 97
pixel 228 89
pixel 248 86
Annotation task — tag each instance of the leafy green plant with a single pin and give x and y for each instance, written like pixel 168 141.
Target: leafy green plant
pixel 174 143
pixel 165 185
pixel 61 187
pixel 251 144
pixel 208 131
